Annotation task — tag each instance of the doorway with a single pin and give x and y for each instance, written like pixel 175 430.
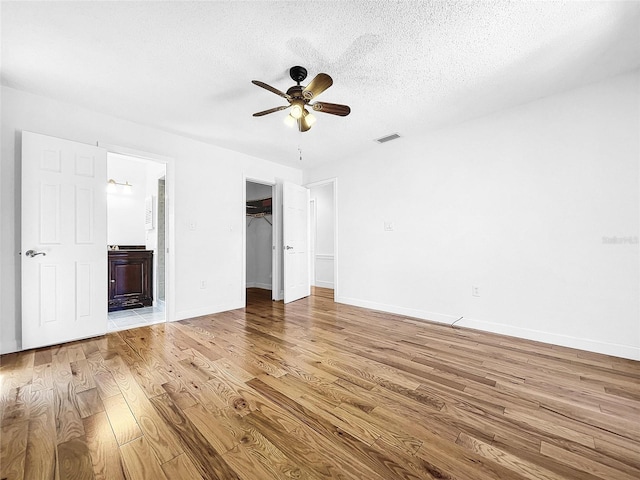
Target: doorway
pixel 323 221
pixel 136 239
pixel 259 242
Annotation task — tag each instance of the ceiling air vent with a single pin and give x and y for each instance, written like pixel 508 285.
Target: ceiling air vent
pixel 388 138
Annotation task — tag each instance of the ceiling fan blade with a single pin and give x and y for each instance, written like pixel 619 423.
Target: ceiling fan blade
pixel 319 84
pixel 271 89
pixel 332 108
pixel 271 110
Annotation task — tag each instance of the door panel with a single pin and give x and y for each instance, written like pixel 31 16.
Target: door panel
pixel 64 280
pixel 295 203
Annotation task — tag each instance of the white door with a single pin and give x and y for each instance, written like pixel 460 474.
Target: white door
pixel 295 226
pixel 64 240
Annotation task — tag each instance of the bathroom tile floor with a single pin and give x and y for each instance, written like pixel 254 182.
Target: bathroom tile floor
pixel 135 317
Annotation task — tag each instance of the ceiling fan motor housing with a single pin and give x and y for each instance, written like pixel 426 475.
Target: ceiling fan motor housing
pixel 298 74
pixel 296 92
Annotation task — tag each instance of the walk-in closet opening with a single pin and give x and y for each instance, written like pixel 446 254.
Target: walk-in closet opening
pixel 259 241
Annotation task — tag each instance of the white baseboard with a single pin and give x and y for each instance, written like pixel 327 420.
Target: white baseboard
pixel 596 346
pixel 9 347
pixel 320 283
pixel 199 312
pixel 264 286
pixel 409 312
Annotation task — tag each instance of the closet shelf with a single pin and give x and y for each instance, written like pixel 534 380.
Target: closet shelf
pixel 259 209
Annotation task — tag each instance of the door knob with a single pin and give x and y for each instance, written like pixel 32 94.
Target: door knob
pixel 33 253
pixel 287 248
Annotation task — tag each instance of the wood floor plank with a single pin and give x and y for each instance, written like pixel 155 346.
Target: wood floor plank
pixel 74 461
pixel 41 460
pixel 221 429
pixel 14 406
pixel 103 448
pixel 207 460
pixel 42 377
pixel 255 453
pixel 181 468
pixel 512 462
pixel 81 374
pixel 124 425
pixel 13 450
pixel 360 451
pixel 67 416
pixel 42 356
pixel 105 383
pixel 89 403
pixel 584 463
pixel 297 447
pixel 317 390
pixel 157 432
pixel 140 461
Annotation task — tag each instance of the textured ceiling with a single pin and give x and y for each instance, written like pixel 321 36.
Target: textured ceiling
pixel 403 67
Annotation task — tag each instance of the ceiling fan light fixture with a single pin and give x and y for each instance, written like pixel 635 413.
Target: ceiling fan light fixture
pixel 310 118
pixel 289 121
pixel 297 109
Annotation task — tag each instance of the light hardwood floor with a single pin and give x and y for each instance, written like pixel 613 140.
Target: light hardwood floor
pixel 316 390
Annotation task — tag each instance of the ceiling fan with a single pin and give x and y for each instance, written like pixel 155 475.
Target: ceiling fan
pixel 299 97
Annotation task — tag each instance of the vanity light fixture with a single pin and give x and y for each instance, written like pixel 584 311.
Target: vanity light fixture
pixel 112 186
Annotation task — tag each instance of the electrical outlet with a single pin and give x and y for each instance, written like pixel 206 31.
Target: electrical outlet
pixel 203 284
pixel 475 290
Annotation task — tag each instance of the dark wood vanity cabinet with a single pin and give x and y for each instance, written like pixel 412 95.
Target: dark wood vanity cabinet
pixel 130 279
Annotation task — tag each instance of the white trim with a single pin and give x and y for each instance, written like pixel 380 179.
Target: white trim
pixel 409 312
pixel 130 152
pixel 613 349
pixel 210 310
pixel 597 346
pixel 313 237
pixel 323 257
pixel 9 347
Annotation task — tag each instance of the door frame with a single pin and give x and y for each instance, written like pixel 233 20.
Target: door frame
pixel 313 226
pixel 169 188
pixel 320 183
pixel 276 238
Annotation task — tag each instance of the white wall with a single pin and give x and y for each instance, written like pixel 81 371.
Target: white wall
pixel 517 203
pixel 125 207
pixel 324 235
pixel 259 241
pixel 207 206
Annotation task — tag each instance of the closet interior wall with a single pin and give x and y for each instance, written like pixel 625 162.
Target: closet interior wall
pixel 259 241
